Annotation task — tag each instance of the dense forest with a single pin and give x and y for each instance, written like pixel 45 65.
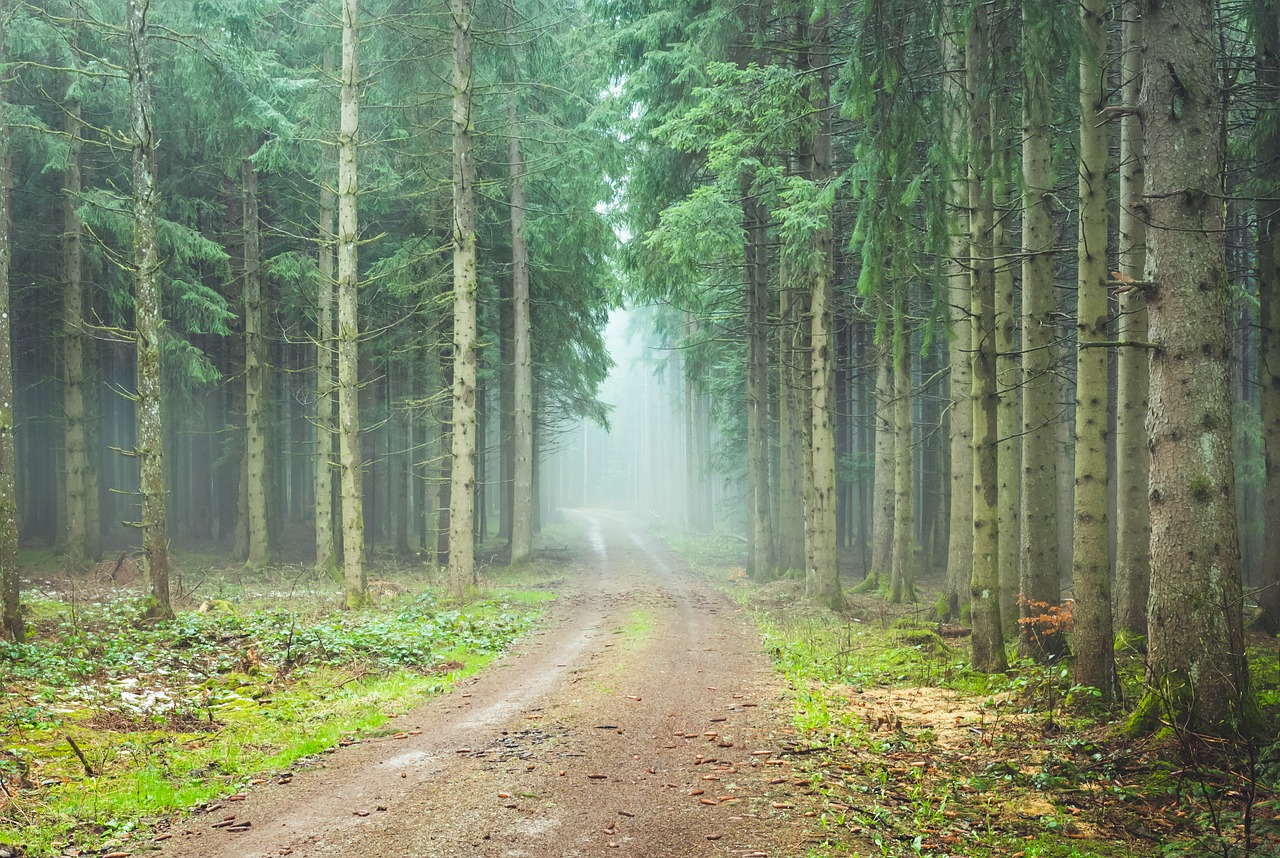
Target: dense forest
pixel 988 288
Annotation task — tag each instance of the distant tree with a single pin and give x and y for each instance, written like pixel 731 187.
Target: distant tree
pixel 149 321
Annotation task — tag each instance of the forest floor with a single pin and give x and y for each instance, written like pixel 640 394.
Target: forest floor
pixel 642 716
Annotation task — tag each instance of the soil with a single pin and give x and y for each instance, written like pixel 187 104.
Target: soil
pixel 643 719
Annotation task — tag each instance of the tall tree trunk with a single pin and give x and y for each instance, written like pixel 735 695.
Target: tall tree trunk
pixel 761 562
pixel 1091 555
pixel 1038 554
pixel 148 320
pixel 1196 665
pixel 1133 519
pixel 348 332
pixel 960 528
pixel 522 499
pixel 821 512
pixel 882 491
pixel 790 440
pixel 256 401
pixel 82 535
pixel 326 542
pixel 11 622
pixel 1007 429
pixel 462 568
pixel 1268 212
pixel 987 639
pixel 902 584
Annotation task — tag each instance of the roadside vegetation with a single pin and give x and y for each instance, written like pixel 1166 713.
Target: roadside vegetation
pixel 110 722
pixel 914 753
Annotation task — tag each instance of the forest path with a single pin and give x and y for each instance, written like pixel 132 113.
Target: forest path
pixel 590 738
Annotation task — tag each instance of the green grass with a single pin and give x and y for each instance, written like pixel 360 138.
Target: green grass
pixel 175 714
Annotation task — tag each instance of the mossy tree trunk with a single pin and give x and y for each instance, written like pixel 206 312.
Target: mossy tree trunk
pixel 1091 556
pixel 462 567
pixel 148 319
pixel 960 529
pixel 348 333
pixel 1133 529
pixel 1196 665
pixel 987 639
pixel 1038 509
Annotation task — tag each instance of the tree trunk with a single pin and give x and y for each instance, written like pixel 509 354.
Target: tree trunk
pixel 1092 640
pixel 882 524
pixel 902 584
pixel 256 401
pixel 790 440
pixel 148 319
pixel 10 592
pixel 1007 429
pixel 987 639
pixel 522 499
pixel 462 569
pixel 1268 213
pixel 761 562
pixel 326 542
pixel 348 332
pixel 1133 528
pixel 821 514
pixel 960 529
pixel 1038 549
pixel 81 541
pixel 1196 665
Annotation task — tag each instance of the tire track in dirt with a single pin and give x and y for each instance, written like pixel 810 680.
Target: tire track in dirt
pixel 642 720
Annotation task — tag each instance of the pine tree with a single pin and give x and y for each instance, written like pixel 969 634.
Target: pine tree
pixel 1196 666
pixel 348 333
pixel 462 568
pixel 11 621
pixel 1091 559
pixel 148 319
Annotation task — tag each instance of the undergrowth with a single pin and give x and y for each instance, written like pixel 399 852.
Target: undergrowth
pixel 109 723
pixel 919 755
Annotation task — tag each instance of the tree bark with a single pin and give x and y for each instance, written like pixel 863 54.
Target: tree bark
pixel 988 638
pixel 348 333
pixel 791 415
pixel 1196 665
pixel 149 321
pixel 1006 373
pixel 821 514
pixel 462 569
pixel 1093 640
pixel 326 541
pixel 82 530
pixel 11 622
pixel 1267 38
pixel 1038 548
pixel 960 529
pixel 256 402
pixel 761 561
pixel 882 490
pixel 522 499
pixel 1133 527
pixel 902 584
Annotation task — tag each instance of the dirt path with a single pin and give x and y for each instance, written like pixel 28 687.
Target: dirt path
pixel 642 720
